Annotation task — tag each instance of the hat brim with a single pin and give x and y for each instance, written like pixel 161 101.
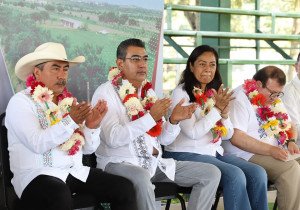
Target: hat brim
pixel 26 64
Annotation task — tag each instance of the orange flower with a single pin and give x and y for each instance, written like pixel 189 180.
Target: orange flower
pixel 156 130
pixel 259 100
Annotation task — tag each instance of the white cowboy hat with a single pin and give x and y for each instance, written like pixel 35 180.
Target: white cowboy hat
pixel 49 51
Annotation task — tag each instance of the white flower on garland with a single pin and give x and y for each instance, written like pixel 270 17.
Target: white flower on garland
pixel 197 90
pixel 253 93
pixel 42 94
pixel 126 89
pixel 65 104
pixel 278 108
pixel 133 106
pixel 71 141
pixel 209 104
pixel 114 71
pixel 149 99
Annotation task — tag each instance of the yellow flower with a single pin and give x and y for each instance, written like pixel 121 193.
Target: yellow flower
pixel 270 124
pixel 222 130
pixel 53 122
pixel 276 101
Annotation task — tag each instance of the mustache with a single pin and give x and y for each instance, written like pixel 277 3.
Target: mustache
pixel 61 82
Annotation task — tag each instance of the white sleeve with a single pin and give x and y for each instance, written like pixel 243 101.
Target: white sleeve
pixel 239 114
pixel 116 131
pixel 227 123
pixel 169 133
pixel 21 119
pixel 291 102
pixel 92 140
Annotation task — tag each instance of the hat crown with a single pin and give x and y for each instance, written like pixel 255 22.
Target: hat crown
pixel 53 48
pixel 49 51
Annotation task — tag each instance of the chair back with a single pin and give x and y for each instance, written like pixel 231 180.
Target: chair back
pixel 8 197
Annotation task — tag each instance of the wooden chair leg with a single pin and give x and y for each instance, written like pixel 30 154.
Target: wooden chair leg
pixel 168 204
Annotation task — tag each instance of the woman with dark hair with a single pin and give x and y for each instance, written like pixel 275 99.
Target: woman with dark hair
pixel 244 184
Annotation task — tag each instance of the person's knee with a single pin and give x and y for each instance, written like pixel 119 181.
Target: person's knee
pixel 141 179
pixel 127 194
pixel 61 194
pixel 215 173
pixel 259 176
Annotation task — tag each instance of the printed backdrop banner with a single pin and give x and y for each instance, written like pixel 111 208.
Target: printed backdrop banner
pixel 92 28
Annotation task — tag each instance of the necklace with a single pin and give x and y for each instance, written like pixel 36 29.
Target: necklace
pixel 273 118
pixel 206 103
pixel 136 107
pixel 55 113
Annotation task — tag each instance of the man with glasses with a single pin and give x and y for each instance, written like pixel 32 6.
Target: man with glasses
pixel 264 134
pixel 291 98
pixel 134 127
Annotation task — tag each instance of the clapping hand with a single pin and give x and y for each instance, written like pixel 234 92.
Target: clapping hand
pixel 182 112
pixel 160 108
pixel 96 115
pixel 79 112
pixel 222 98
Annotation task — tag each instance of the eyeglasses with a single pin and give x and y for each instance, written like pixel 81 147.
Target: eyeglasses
pixel 137 58
pixel 274 94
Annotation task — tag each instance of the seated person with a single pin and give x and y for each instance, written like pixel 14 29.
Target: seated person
pixel 134 128
pixel 291 98
pixel 263 133
pixel 48 132
pixel 244 184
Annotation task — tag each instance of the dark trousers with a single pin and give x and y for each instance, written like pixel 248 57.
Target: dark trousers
pixel 50 193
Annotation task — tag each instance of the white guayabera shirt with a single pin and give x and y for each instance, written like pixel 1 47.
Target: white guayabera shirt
pixel 123 140
pixel 291 100
pixel 33 148
pixel 195 135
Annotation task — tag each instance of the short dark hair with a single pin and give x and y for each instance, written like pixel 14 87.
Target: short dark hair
pixel 270 72
pixel 122 48
pixel 189 80
pixel 298 58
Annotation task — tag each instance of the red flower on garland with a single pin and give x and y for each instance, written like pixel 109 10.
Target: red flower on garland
pixel 265 113
pixel 145 88
pixel 249 86
pixel 156 130
pixel 259 100
pixel 281 116
pixel 34 84
pixel 200 99
pixel 127 97
pixel 289 133
pixel 64 94
pixel 279 128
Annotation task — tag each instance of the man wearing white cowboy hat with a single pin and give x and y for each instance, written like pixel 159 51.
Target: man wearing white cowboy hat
pixel 48 131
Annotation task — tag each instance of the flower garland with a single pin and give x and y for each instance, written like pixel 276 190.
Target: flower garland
pixel 274 119
pixel 206 103
pixel 135 107
pixel 44 96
